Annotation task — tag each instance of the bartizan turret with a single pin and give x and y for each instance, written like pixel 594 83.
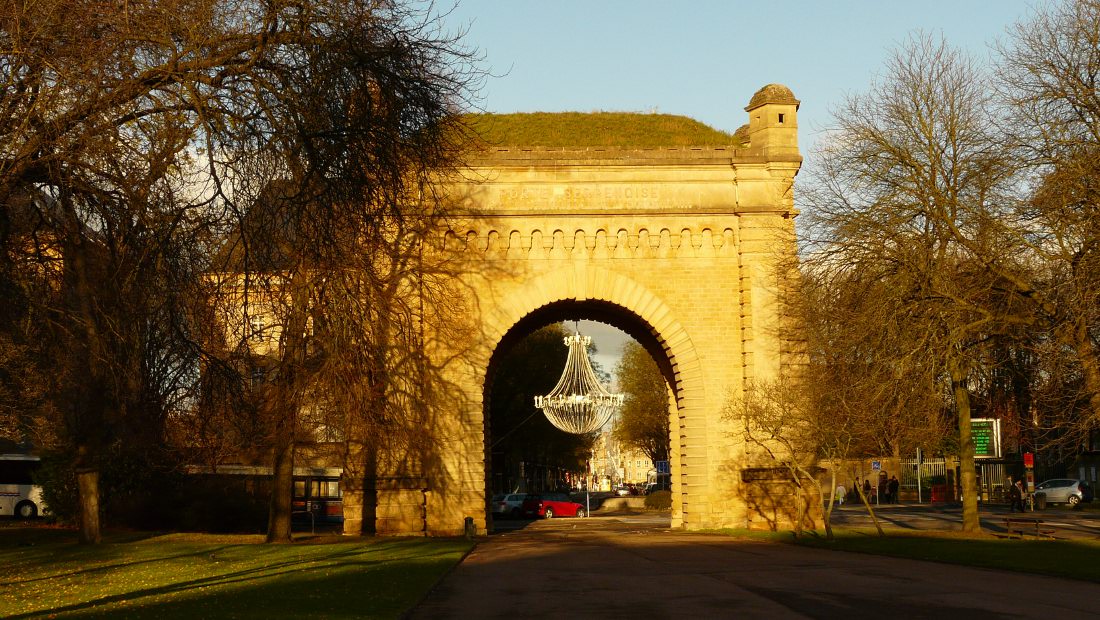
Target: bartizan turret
pixel 773 123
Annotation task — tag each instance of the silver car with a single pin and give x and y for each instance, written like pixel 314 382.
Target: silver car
pixel 508 505
pixel 1063 491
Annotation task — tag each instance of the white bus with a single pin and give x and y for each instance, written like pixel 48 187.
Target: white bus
pixel 19 495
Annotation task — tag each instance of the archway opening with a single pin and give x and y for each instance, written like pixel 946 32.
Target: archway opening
pixel 525 454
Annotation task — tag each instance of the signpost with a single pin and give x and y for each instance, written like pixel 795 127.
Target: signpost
pixel 876 466
pixel 1029 469
pixel 920 463
pixel 986 435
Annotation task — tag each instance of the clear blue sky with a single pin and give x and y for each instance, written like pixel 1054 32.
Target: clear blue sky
pixel 704 59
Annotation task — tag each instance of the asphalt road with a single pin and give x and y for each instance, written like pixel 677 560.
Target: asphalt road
pixel 633 566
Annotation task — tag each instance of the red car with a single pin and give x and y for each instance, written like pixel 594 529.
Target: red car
pixel 550 505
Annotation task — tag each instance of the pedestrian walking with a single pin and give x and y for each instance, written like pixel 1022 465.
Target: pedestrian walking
pixel 1015 495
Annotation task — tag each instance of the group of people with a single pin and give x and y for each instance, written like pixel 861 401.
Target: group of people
pixel 887 490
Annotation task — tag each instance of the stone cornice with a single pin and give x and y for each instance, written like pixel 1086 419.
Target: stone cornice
pixel 694 156
pixel 622 212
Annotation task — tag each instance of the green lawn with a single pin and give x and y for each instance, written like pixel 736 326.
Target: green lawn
pixel 46 574
pixel 1074 559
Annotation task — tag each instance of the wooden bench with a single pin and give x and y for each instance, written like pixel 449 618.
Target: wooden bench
pixel 1023 526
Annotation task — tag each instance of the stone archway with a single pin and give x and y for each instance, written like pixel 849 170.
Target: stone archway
pixel 686 241
pixel 629 306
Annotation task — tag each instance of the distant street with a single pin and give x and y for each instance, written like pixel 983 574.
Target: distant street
pixel 1067 523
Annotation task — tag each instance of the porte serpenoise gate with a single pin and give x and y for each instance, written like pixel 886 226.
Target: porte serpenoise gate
pixel 679 247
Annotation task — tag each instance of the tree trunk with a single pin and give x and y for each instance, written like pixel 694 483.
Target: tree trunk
pixel 85 422
pixel 1090 366
pixel 352 486
pixel 967 474
pixel 814 497
pixel 829 506
pixel 283 402
pixel 800 508
pixel 870 510
pixel 87 484
pixel 282 490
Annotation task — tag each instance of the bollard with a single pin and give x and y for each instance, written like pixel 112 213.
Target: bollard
pixel 469 528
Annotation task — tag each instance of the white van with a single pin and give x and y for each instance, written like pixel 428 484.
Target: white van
pixel 19 496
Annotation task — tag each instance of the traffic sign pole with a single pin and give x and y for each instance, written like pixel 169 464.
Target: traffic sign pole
pixel 920 466
pixel 877 466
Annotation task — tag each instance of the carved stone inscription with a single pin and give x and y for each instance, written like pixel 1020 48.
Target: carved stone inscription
pixel 558 197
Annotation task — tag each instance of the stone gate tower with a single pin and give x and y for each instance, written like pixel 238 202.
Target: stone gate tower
pixel 678 247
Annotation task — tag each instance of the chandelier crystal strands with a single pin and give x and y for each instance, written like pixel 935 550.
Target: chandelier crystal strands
pixel 579 403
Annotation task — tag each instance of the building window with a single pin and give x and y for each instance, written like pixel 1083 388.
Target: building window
pixel 1093 444
pixel 258 376
pixel 256 328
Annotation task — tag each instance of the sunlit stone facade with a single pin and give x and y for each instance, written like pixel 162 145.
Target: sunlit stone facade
pixel 677 247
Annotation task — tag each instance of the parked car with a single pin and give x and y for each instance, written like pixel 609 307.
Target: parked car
pixel 663 482
pixel 508 505
pixel 549 505
pixel 1063 491
pixel 662 485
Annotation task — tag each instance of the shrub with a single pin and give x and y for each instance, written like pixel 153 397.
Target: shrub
pixel 658 500
pixel 213 503
pixel 137 493
pixel 58 483
pixel 132 489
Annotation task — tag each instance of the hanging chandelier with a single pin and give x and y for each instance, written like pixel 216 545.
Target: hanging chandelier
pixel 579 403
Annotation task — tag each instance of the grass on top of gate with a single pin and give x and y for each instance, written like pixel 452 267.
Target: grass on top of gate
pixel 194 576
pixel 596 129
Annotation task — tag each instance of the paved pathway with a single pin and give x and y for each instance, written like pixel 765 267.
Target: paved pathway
pixel 1066 523
pixel 608 567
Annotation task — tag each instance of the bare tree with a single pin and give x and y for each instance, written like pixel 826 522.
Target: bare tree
pixel 153 130
pixel 1050 67
pixel 909 187
pixel 776 419
pixel 868 390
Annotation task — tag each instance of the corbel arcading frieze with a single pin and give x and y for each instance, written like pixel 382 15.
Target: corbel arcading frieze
pixel 538 244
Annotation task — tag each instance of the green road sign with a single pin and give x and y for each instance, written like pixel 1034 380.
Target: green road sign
pixel 986 434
